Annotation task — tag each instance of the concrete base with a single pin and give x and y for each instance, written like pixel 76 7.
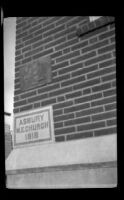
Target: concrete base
pixel 71 177
pixel 81 163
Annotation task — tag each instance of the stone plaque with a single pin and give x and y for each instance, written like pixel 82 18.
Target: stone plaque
pixel 33 126
pixel 35 73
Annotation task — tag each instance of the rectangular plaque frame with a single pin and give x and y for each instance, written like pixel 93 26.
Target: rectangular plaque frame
pixel 35 73
pixel 38 111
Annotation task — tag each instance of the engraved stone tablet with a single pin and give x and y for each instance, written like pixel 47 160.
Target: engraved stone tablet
pixel 35 73
pixel 34 126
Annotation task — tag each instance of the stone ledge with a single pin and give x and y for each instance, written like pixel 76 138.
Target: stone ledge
pixel 112 164
pixel 84 151
pixel 99 177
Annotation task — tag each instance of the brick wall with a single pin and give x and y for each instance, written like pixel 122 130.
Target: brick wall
pixel 8 141
pixel 83 87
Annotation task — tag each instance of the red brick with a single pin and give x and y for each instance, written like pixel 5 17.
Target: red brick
pixel 64 130
pixel 34 39
pixel 86 91
pixel 16 92
pixel 54 55
pixel 60 138
pixel 61 78
pixel 114 83
pixel 17 86
pixel 103 101
pixel 43 53
pixel 16 98
pixel 103 116
pixel 101 72
pixel 60 65
pixel 85 70
pixel 26 60
pixel 41 42
pixel 97 59
pixel 95 46
pixel 76 108
pixel 66 44
pixel 89 111
pixel 106 49
pixel 18 63
pixel 48 102
pixel 105 131
pixel 93 40
pixel 68 56
pixel 20 25
pixel 37 105
pixel 28 39
pixel 83 57
pixel 19 46
pixel 18 52
pixel 71 36
pixel 27 107
pixel 28 48
pixel 108 77
pixel 71 68
pixel 63 20
pixel 19 58
pixel 73 94
pixel 94 33
pixel 58 125
pixel 77 121
pixel 112 39
pixel 73 81
pixel 55 42
pixel 110 107
pixel 26 27
pixel 35 28
pixel 65 32
pixel 57 112
pixel 60 91
pixel 39 49
pixel 76 20
pixel 20 103
pixel 50 20
pixel 109 92
pixel 50 32
pixel 101 87
pixel 63 105
pixel 86 84
pixel 80 45
pixel 107 63
pixel 42 30
pixel 61 98
pixel 64 117
pixel 88 98
pixel 48 88
pixel 38 98
pixel 16 110
pixel 111 122
pixel 18 42
pixel 66 50
pixel 91 126
pixel 79 135
pixel 107 34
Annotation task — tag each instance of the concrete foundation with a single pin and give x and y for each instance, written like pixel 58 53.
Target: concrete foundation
pixel 71 177
pixel 77 164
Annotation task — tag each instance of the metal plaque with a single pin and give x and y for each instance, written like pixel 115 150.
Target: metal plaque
pixel 35 73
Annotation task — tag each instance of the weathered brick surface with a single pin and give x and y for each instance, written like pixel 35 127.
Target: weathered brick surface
pixel 83 87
